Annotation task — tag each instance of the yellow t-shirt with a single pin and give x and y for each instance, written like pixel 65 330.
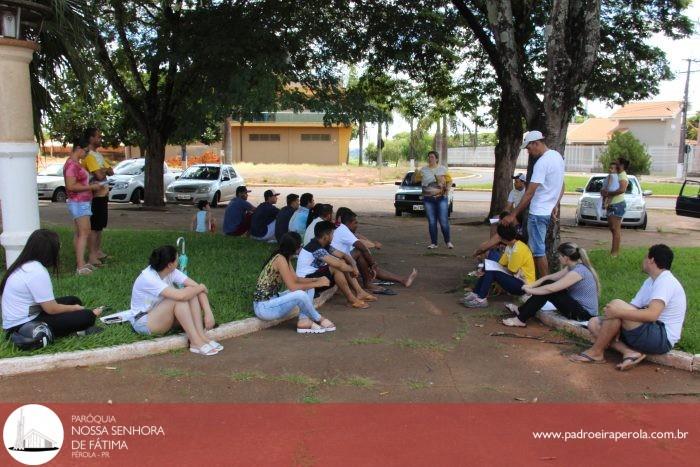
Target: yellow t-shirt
pixel 518 259
pixel 95 161
pixel 621 197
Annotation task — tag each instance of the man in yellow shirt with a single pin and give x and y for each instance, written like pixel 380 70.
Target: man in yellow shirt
pixel 99 169
pixel 518 262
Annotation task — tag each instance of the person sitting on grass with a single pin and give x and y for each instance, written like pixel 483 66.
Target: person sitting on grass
pixel 320 259
pixel 27 292
pixel 284 214
pixel 517 258
pixel 573 291
pixel 298 223
pixel 238 214
pixel 650 324
pixel 320 212
pixel 269 304
pixel 202 221
pixel 262 224
pixel 344 240
pixel 158 303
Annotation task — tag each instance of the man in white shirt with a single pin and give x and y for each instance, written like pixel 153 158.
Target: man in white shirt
pixel 650 324
pixel 542 196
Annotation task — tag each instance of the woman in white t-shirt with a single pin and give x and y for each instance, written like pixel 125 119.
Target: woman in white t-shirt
pixel 27 292
pixel 157 303
pixel 435 182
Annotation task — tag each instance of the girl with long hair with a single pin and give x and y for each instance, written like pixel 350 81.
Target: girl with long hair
pixel 27 292
pixel 574 290
pixel 270 304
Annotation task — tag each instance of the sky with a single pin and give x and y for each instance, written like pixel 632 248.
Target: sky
pixel 672 90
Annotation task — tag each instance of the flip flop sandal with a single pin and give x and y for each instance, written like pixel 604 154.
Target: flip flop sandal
pixel 587 359
pixel 314 329
pixel 369 299
pixel 328 328
pixel 84 271
pixel 206 349
pixel 634 361
pixel 360 305
pixel 383 283
pixel 385 291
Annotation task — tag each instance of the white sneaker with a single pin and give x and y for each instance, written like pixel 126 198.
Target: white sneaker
pixel 206 349
pixel 432 246
pixel 450 245
pixel 513 308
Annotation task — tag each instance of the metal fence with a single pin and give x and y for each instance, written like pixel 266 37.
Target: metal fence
pixel 578 158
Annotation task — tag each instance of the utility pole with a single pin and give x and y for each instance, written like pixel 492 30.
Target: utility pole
pixel 680 168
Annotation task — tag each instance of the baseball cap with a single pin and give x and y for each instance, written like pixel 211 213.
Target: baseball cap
pixel 242 189
pixel 270 194
pixel 520 177
pixel 531 136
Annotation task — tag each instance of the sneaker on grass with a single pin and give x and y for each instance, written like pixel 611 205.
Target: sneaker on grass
pixel 477 303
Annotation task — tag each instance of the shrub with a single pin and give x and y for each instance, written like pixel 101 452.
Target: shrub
pixel 627 146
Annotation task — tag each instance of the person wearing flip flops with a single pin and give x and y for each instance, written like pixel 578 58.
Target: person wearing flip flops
pixel 27 291
pixel 271 304
pixel 79 200
pixel 650 324
pixel 158 304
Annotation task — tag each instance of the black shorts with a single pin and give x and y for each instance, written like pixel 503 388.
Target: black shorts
pixel 647 338
pixel 322 272
pixel 100 213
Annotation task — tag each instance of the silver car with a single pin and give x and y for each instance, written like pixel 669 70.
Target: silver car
pixel 589 212
pixel 212 182
pixel 50 183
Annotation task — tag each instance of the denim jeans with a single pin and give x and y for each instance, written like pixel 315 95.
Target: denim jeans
pixel 537 233
pixel 279 307
pixel 510 284
pixel 436 209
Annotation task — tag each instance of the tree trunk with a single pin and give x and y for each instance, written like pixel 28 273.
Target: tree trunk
pixel 510 137
pixel 362 140
pixel 153 177
pixel 443 141
pixel 411 155
pixel 436 138
pixel 379 144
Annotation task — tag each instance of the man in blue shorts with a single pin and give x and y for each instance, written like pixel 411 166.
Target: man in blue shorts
pixel 650 324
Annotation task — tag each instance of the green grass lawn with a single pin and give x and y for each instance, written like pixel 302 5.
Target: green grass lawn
pixel 621 278
pixel 578 181
pixel 229 266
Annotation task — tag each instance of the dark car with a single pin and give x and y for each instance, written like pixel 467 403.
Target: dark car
pixel 688 201
pixel 409 196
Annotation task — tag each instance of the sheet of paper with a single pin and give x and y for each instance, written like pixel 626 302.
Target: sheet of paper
pixel 495 220
pixel 549 307
pixel 490 265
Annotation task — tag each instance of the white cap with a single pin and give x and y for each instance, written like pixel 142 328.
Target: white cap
pixel 531 136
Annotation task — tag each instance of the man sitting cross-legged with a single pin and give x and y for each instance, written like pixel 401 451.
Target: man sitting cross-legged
pixel 650 324
pixel 319 259
pixel 345 240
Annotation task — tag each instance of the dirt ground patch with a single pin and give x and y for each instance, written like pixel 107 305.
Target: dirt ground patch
pixel 419 346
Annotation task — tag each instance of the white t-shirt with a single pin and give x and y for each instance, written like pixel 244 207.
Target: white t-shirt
pixel 146 291
pixel 429 175
pixel 309 234
pixel 549 173
pixel 27 286
pixel 667 289
pixel 343 239
pixel 515 196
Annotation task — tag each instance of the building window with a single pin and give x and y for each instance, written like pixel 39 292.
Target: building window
pixel 264 137
pixel 315 137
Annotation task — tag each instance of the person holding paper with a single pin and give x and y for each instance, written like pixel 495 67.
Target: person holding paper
pixel 515 269
pixel 573 291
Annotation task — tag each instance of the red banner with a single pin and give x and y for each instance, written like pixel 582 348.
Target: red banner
pixel 355 434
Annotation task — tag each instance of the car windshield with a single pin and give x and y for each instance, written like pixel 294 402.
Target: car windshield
pixel 53 169
pixel 596 184
pixel 407 180
pixel 201 173
pixel 135 168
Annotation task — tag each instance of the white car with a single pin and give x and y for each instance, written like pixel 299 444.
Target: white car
pixel 587 211
pixel 212 182
pixel 127 183
pixel 50 183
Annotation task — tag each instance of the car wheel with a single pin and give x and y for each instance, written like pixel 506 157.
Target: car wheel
pixel 137 196
pixel 643 225
pixel 449 210
pixel 216 199
pixel 59 195
pixel 398 212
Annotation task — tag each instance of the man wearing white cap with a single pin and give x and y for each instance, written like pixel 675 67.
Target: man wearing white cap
pixel 542 196
pixel 516 194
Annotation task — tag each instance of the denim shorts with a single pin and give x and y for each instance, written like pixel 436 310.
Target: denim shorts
pixel 647 338
pixel 79 208
pixel 617 209
pixel 141 325
pixel 537 232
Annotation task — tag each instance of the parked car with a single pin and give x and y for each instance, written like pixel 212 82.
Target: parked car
pixel 688 201
pixel 127 183
pixel 635 210
pixel 50 183
pixel 213 182
pixel 409 196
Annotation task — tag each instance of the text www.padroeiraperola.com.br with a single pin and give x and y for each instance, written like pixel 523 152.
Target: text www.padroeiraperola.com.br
pixel 609 435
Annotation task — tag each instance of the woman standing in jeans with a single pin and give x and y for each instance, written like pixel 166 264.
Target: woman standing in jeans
pixel 617 206
pixel 434 179
pixel 269 304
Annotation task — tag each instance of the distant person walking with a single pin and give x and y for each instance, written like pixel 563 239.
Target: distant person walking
pixel 79 201
pixel 542 196
pixel 99 169
pixel 616 207
pixel 435 181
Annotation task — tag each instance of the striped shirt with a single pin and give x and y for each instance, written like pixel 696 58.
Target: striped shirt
pixel 585 291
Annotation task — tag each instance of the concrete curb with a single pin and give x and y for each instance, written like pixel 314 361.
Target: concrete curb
pixel 105 355
pixel 675 358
